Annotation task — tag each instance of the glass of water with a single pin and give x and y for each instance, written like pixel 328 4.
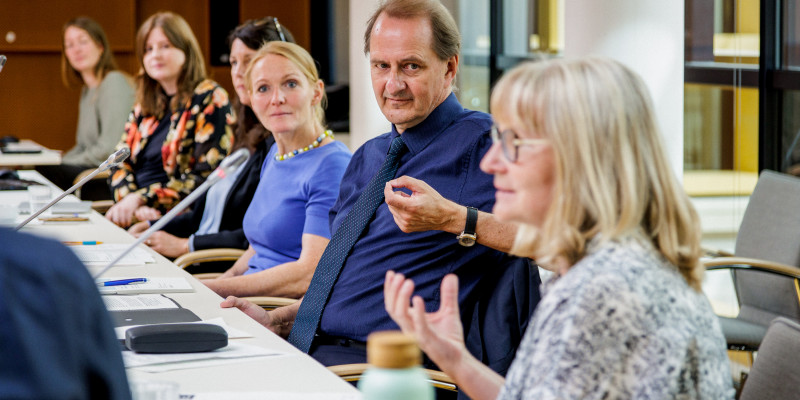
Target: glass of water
pixel 38 196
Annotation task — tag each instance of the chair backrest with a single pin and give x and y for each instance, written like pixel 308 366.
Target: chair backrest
pixel 776 372
pixel 770 230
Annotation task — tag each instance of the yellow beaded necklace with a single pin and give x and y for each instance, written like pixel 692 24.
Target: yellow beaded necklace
pixel 313 145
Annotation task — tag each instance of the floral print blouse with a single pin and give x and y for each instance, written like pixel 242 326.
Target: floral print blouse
pixel 621 324
pixel 199 137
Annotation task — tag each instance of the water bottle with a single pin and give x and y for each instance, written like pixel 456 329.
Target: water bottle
pixel 394 372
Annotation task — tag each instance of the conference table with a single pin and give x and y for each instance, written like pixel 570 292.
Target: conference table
pixel 28 153
pixel 291 375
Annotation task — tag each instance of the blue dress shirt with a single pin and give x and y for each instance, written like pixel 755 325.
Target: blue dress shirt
pixel 445 151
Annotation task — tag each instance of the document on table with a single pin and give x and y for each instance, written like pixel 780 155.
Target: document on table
pixel 233 352
pixel 233 333
pixel 138 302
pixel 153 285
pixel 102 254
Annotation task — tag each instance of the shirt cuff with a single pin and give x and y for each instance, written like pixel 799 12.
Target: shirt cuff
pixel 191 243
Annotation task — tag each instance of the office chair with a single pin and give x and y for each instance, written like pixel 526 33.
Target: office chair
pixel 776 372
pixel 765 266
pixel 217 255
pixel 207 256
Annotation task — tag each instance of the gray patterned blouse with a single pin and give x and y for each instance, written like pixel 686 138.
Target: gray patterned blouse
pixel 622 324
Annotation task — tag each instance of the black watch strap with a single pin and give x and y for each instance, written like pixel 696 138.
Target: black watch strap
pixel 472 221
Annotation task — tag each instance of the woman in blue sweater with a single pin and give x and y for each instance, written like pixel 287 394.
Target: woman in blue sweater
pixel 287 221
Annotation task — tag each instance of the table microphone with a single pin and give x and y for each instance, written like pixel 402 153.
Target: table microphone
pixel 228 165
pixel 112 161
pixel 2 62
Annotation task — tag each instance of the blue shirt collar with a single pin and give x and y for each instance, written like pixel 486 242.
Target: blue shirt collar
pixel 419 136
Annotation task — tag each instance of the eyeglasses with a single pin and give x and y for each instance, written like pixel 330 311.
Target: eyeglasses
pixel 510 142
pixel 279 29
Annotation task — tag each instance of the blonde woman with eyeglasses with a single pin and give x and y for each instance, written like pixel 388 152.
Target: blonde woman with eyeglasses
pixel 579 162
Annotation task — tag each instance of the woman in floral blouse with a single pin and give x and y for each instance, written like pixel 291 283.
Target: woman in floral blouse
pixel 579 162
pixel 179 129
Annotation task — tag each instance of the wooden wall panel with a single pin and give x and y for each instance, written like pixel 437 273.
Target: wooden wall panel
pixel 33 102
pixel 194 12
pixel 37 23
pixel 296 15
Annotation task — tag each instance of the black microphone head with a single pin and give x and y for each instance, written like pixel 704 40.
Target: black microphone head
pixel 2 61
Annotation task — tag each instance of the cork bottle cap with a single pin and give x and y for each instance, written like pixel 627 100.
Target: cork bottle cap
pixel 392 349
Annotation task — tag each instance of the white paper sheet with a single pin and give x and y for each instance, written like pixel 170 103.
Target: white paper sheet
pixel 102 254
pixel 167 362
pixel 138 302
pixel 153 285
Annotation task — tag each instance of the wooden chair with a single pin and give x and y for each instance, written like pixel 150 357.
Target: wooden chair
pixel 353 373
pixel 208 255
pixel 215 255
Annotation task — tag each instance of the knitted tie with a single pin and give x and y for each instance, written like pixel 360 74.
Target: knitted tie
pixel 330 264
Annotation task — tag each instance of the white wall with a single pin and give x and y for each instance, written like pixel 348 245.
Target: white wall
pixel 366 119
pixel 647 36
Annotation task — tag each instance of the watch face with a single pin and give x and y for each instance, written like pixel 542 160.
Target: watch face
pixel 466 240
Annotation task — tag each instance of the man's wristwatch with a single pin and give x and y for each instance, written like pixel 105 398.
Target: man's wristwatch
pixel 469 237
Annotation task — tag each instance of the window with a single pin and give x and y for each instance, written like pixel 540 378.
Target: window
pixel 499 34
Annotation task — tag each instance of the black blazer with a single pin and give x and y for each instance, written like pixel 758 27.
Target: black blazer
pixel 231 233
pixel 507 298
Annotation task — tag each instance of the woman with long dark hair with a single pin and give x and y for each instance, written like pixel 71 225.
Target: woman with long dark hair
pixel 216 218
pixel 179 129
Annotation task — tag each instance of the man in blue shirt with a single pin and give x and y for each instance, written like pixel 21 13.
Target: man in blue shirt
pixel 56 338
pixel 413 48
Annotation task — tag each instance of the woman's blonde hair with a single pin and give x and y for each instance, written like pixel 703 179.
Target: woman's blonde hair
pixel 612 174
pixel 301 59
pixel 179 34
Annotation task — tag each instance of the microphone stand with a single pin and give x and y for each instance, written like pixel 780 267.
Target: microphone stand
pixel 104 166
pixel 235 160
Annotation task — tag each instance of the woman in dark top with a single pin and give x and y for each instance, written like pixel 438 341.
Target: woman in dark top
pixel 179 129
pixel 201 228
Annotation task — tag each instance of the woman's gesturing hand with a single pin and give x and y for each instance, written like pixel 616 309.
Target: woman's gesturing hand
pixel 439 333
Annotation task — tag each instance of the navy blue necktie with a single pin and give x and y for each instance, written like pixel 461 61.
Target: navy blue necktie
pixel 330 264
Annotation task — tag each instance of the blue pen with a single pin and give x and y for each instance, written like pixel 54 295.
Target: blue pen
pixel 122 282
